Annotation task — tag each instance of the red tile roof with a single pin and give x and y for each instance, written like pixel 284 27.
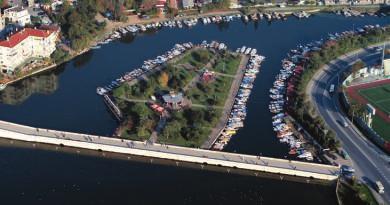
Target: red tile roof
pixel 18 37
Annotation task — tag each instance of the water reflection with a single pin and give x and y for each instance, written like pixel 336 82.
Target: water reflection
pixel 127 39
pixel 82 60
pixel 45 83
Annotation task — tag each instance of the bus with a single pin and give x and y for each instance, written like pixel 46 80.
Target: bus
pixel 331 88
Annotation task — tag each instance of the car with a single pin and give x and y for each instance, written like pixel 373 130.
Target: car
pixel 343 123
pixel 379 187
pixel 348 175
pixel 344 154
pixel 347 169
pixel 378 48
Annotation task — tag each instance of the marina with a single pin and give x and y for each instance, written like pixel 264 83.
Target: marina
pixel 76 174
pixel 238 111
pixel 93 117
pixel 283 93
pixel 188 23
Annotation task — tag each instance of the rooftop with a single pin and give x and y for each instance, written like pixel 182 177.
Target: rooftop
pixel 18 37
pixel 173 98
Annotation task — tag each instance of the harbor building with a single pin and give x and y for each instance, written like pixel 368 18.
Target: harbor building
pixel 17 15
pixel 187 4
pixel 173 100
pixel 386 62
pixel 386 66
pixel 26 44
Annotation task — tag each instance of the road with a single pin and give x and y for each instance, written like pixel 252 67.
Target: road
pixel 371 163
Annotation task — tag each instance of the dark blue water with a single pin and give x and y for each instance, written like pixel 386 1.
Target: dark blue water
pixel 65 99
pixel 46 177
pixel 73 105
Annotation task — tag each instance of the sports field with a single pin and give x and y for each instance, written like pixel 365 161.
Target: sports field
pixel 378 96
pixel 376 93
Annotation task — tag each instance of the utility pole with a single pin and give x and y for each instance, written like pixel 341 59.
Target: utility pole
pixel 383 54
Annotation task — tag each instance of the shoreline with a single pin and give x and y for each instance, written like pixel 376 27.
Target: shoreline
pixel 113 26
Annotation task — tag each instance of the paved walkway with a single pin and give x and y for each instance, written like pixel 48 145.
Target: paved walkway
pixel 15 131
pixel 228 104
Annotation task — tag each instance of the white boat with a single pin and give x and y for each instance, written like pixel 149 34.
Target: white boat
pixel 101 91
pixel 2 86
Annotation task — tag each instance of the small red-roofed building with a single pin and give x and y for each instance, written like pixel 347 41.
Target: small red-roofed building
pixel 26 44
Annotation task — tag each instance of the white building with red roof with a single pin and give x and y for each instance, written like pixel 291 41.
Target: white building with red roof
pixel 25 45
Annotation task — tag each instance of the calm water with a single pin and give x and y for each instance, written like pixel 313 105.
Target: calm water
pixel 45 177
pixel 65 99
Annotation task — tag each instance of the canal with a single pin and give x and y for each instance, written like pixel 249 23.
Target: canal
pixel 65 99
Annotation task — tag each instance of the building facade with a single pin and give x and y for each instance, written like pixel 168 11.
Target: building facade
pixel 24 45
pixel 187 4
pixel 17 15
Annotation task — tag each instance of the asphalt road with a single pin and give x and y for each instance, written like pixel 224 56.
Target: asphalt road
pixel 371 163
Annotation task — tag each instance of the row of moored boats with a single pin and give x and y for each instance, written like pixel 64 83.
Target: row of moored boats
pixel 148 66
pixel 347 12
pixel 238 113
pixel 152 64
pixel 283 92
pixel 180 23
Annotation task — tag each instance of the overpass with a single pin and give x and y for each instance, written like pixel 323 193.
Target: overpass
pixel 240 161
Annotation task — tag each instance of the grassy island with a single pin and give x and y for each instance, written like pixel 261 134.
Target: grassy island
pixel 180 101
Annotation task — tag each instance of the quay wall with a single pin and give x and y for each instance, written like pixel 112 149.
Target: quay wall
pixel 23 136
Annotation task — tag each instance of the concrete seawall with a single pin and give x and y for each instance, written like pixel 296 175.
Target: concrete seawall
pixel 240 161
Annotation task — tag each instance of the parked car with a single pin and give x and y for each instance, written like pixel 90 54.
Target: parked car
pixel 344 154
pixel 347 169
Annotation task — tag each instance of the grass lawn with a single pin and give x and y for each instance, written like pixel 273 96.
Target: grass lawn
pixel 227 65
pixel 381 127
pixel 365 194
pixel 356 194
pixel 378 97
pixel 192 57
pixel 180 141
pixel 214 93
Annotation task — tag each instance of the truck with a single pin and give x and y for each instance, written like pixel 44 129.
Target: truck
pixel 331 88
pixel 379 187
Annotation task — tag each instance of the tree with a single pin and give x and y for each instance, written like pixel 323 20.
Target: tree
pixel 142 110
pixel 357 66
pixel 172 129
pixel 163 79
pixel 201 56
pixel 356 109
